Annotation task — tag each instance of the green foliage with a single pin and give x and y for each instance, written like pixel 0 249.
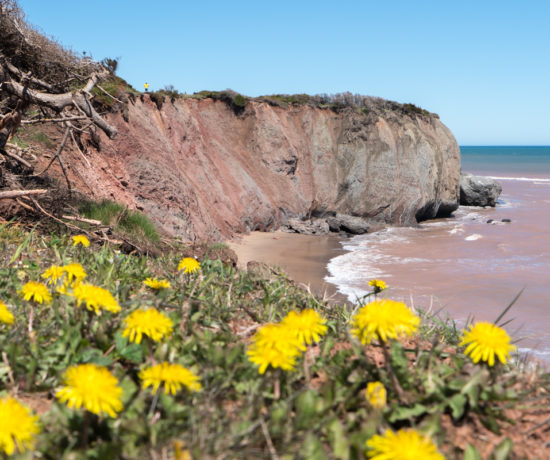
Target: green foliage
pixel 113 91
pixel 111 64
pixel 321 413
pixel 132 223
pixel 288 99
pixel 41 138
pixel 237 102
pixel 31 134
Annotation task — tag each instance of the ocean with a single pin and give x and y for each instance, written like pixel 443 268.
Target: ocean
pixel 464 266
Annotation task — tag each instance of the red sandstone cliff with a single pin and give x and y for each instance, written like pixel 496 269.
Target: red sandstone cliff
pixel 201 171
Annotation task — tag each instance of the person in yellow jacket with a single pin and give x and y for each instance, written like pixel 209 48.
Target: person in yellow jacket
pixel 146 86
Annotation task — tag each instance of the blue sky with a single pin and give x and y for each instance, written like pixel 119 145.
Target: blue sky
pixel 483 66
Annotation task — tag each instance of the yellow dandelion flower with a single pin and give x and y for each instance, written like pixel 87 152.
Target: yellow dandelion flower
pixel 6 316
pixel 64 288
pixel 95 298
pixel 308 325
pixel 173 376
pixel 406 444
pixel 81 239
pixel 180 452
pixel 18 427
pixel 53 274
pixel 150 322
pixel 156 284
pixel 275 345
pixel 376 395
pixel 189 265
pixel 92 387
pixel 485 340
pixel 378 285
pixel 75 272
pixel 36 291
pixel 384 319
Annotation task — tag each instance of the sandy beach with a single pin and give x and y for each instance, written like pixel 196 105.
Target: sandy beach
pixel 303 257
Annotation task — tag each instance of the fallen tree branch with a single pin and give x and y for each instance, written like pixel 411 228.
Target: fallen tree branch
pixel 58 102
pixel 53 120
pixel 47 214
pixel 86 221
pixel 20 75
pixel 110 95
pixel 9 194
pixel 59 149
pixel 17 158
pixel 70 125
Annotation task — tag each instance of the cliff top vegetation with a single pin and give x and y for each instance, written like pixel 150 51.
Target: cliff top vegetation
pixel 336 102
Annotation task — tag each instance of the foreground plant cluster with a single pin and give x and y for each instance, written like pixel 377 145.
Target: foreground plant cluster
pixel 106 355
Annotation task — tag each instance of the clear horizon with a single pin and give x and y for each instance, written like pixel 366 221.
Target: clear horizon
pixel 482 66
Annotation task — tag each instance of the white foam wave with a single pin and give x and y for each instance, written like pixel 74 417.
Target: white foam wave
pixel 523 179
pixel 541 354
pixel 475 236
pixel 457 229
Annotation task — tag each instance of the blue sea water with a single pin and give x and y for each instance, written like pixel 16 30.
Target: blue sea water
pixel 464 265
pixel 513 160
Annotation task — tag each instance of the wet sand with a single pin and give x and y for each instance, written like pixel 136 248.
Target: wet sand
pixel 303 257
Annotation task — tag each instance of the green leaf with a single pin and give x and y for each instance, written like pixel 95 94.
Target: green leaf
pixel 20 248
pixel 490 423
pixel 338 440
pixel 503 450
pixel 312 449
pixel 457 404
pixel 473 386
pixel 406 413
pixel 94 356
pixel 129 351
pixel 471 453
pixel 128 389
pixel 305 408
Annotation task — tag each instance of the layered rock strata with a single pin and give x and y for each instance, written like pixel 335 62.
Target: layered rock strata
pixel 203 172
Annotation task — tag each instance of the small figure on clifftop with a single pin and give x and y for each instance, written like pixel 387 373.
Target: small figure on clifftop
pixel 146 86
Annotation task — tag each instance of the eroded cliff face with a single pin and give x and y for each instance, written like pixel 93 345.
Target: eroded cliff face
pixel 200 171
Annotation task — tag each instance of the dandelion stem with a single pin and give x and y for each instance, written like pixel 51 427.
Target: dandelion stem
pixel 154 403
pixel 306 367
pixel 84 430
pixel 277 386
pixel 395 382
pixel 151 354
pixel 31 317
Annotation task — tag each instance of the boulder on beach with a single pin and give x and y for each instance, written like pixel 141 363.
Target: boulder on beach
pixel 350 224
pixel 306 227
pixel 478 190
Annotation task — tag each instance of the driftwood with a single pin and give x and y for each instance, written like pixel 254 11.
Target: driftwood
pixel 9 194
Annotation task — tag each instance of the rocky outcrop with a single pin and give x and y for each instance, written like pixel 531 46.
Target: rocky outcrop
pixel 202 171
pixel 349 224
pixel 478 190
pixel 307 226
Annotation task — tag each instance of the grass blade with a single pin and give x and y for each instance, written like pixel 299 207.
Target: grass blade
pixel 508 307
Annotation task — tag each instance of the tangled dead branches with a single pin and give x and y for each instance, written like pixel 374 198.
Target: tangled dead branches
pixel 37 72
